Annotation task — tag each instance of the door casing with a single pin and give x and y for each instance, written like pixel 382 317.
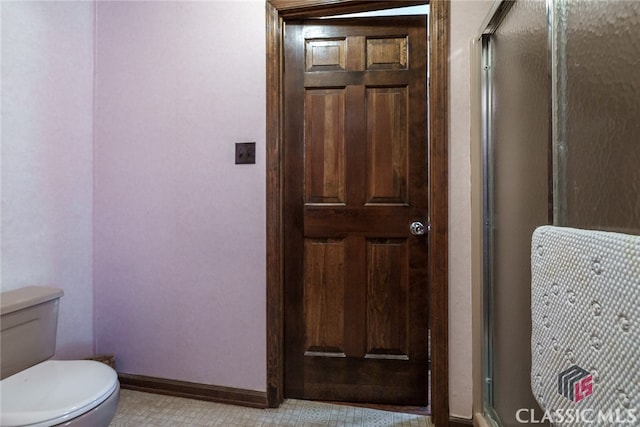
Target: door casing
pixel 277 11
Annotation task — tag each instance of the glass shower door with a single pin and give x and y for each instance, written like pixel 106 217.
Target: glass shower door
pixel 596 62
pixel 561 103
pixel 518 179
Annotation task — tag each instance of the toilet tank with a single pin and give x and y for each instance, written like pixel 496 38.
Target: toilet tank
pixel 28 324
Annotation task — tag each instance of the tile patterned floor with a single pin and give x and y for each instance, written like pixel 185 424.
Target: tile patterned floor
pixel 145 409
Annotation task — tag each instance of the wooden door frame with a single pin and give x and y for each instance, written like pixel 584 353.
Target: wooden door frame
pixel 277 12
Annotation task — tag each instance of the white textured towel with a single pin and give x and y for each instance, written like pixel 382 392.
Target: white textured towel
pixel 585 343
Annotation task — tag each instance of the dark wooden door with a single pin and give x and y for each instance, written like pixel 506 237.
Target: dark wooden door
pixel 356 170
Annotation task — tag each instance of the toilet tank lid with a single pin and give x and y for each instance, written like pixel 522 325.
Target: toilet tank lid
pixel 18 299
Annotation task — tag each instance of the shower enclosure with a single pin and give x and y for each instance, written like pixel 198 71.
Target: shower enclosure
pixel 560 85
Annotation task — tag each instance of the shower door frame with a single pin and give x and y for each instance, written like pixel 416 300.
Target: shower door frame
pixel 484 401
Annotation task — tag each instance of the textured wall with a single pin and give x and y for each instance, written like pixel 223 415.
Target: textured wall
pixel 47 120
pixel 179 228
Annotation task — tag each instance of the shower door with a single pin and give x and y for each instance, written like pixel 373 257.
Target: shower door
pixel 517 190
pixel 561 130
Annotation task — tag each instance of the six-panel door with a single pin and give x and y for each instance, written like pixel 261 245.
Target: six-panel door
pixel 356 168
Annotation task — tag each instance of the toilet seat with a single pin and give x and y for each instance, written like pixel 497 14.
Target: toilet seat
pixel 54 392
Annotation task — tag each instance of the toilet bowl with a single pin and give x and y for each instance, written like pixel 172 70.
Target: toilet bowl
pixel 56 392
pixel 37 392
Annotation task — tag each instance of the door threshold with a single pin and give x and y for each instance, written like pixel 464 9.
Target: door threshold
pixel 415 410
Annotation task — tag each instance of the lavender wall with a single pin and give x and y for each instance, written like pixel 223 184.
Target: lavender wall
pixel 47 138
pixel 179 228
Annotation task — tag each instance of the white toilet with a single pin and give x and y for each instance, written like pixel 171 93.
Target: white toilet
pixel 37 392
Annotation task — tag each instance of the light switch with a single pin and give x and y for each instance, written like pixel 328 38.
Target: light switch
pixel 245 153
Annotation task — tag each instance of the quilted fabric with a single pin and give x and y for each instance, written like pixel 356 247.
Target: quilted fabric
pixel 585 307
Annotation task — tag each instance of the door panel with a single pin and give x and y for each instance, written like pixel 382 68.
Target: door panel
pixel 387 141
pixel 387 299
pixel 355 163
pixel 324 146
pixel 324 280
